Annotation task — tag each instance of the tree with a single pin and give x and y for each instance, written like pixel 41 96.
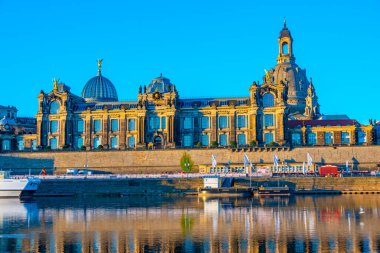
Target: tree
pixel 214 144
pixel 186 162
pixel 253 143
pixel 233 144
pixel 199 144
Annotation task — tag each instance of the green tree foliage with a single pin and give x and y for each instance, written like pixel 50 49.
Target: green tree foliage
pixel 214 144
pixel 186 162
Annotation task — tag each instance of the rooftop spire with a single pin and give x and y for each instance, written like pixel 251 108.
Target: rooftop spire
pixel 284 22
pixel 99 66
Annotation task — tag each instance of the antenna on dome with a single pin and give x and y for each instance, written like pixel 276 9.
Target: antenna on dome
pixel 284 21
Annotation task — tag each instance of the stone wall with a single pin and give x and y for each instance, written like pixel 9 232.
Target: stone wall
pixel 116 186
pixel 158 161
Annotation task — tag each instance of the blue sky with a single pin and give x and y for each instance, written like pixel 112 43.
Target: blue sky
pixel 207 48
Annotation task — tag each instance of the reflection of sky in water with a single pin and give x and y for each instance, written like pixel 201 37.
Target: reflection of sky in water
pixel 341 223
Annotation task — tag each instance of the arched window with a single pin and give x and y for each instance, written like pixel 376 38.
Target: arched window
pixel 285 48
pixel 268 100
pixel 54 107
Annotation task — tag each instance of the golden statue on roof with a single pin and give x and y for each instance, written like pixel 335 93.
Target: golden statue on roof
pixel 100 63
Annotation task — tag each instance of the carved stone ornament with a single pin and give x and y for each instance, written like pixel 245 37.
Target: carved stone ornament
pixel 157 95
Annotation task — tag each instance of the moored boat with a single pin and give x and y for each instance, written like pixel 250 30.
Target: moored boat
pixel 212 187
pixel 23 187
pixel 274 191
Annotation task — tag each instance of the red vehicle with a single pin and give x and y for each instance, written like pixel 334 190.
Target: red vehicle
pixel 328 170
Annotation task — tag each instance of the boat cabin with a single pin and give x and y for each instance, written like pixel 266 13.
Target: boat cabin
pixel 4 175
pixel 211 182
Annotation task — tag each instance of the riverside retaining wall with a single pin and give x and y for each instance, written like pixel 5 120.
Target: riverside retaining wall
pixel 158 161
pixel 114 186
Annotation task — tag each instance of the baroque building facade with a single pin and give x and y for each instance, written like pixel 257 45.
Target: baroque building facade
pixel 282 110
pixel 16 133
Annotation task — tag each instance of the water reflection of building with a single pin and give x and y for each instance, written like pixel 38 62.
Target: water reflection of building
pixel 307 225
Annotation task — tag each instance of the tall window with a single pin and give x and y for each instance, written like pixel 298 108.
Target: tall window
pixel 79 142
pixel 285 48
pixel 131 124
pixel 34 144
pixel 223 140
pixel 20 145
pixel 242 140
pixel 154 123
pixel 54 126
pixel 80 126
pixel 188 123
pixel 311 139
pixel 163 122
pixel 205 140
pixel 328 138
pixel 296 139
pixel 268 120
pixel 241 121
pixel 268 100
pixel 114 142
pixel 96 142
pixel 362 137
pixel 97 125
pixel 114 125
pixel 345 138
pixel 131 141
pixel 53 143
pixel 268 138
pixel 205 122
pixel 187 140
pixel 6 145
pixel 223 123
pixel 54 107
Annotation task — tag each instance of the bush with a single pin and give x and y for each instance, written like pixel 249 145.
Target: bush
pixel 83 148
pixel 233 144
pixel 214 144
pixel 199 144
pixel 252 143
pixel 100 147
pixel 186 163
pixel 273 144
pixel 48 148
pixel 66 146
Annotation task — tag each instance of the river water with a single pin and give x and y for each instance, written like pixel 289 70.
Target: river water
pixel 347 223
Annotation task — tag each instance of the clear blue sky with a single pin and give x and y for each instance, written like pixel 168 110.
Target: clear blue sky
pixel 206 48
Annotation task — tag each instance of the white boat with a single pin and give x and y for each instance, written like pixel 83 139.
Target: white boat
pixel 22 187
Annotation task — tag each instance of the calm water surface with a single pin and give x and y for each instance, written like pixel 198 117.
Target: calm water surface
pixel 348 223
